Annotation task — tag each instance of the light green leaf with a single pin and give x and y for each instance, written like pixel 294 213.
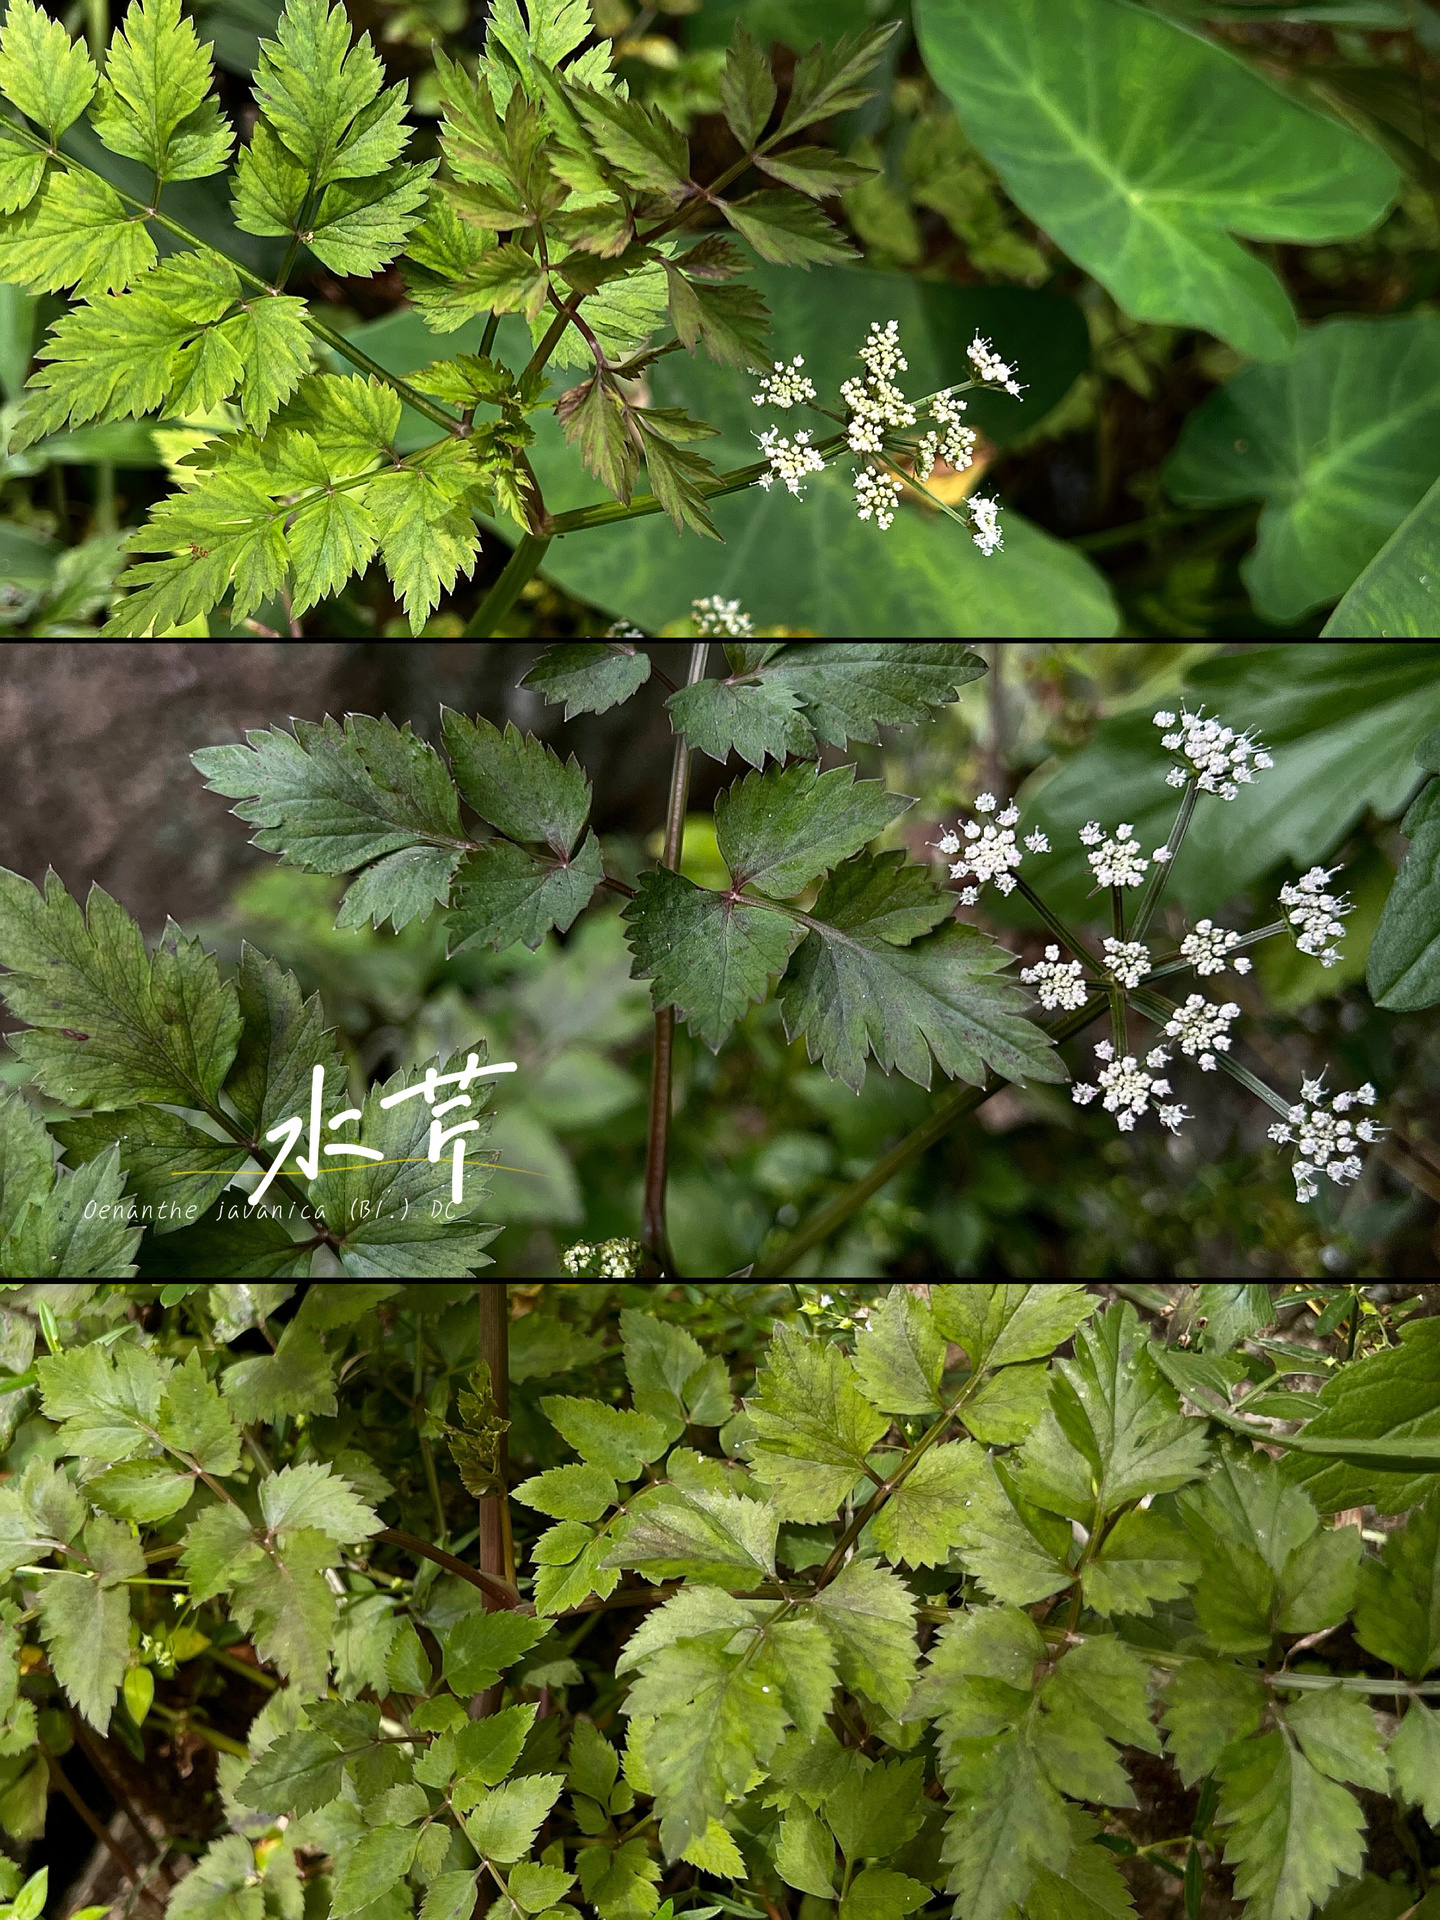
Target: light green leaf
pixel 77 232
pixel 1008 1407
pixel 712 1537
pixel 480 1646
pixel 1318 1582
pixel 145 1491
pixel 42 72
pixel 1089 1887
pixel 706 955
pixel 878 1894
pixel 815 1426
pixel 926 1517
pixel 1010 1824
pixel 869 1613
pixel 753 719
pixel 311 83
pixel 195 1422
pixel 154 103
pixel 504 1824
pixel 787 230
pixel 486 1751
pixel 86 1627
pixel 805 1853
pixel 157 1027
pixel 1209 1704
pixel 1144 1557
pixel 780 830
pixel 875 1811
pixel 1397 592
pixel 1391 1397
pixel 223 1886
pixel 1000 1325
pixel 1004 1552
pixel 569 1493
pixel 1415 1756
pixel 1339 1735
pixel 297 1773
pixel 298 1377
pixel 618 1442
pixel 1293 1833
pixel 314 1495
pixel 1335 440
pixel 281 1598
pixel 900 1355
pixel 378 1861
pixel 559 1588
pixel 1144 185
pixel 1097 1695
pixel 107 1400
pixel 533 1888
pixel 27 1158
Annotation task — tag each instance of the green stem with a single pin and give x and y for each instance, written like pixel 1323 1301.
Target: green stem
pixel 951 1107
pixel 1156 1007
pixel 97 30
pixel 1160 871
pixel 1057 926
pixel 1177 964
pixel 487 339
pixel 518 571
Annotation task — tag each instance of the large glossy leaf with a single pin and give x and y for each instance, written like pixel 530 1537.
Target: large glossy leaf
pixel 1142 149
pixel 1404 970
pixel 1341 722
pixel 809 563
pixel 796 23
pixel 1339 441
pixel 1399 592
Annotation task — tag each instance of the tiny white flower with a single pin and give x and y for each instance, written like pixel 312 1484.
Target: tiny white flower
pixel 969 896
pixel 713 615
pixel 1316 915
pixel 990 368
pixel 1037 842
pixel 1164 720
pixel 1208 946
pixel 1161 856
pixel 1157 1058
pixel 985 803
pixel 1081 1094
pixel 786 387
pixel 1173 1117
pixel 1325 1138
pixel 1059 983
pixel 1009 817
pixel 1104 1050
pixel 1217 758
pixel 1128 960
pixel 1117 862
pixel 985 519
pixel 790 460
pixel 1092 833
pixel 1200 1028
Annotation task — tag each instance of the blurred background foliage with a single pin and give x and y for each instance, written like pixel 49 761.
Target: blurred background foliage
pixel 1033 1186
pixel 1089 470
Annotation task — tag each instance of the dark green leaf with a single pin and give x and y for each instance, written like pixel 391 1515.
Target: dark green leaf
pixel 707 955
pixel 591 677
pixel 780 830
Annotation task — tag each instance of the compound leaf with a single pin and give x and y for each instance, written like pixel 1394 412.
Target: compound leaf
pixel 707 955
pixel 590 676
pixel 815 1426
pixel 780 830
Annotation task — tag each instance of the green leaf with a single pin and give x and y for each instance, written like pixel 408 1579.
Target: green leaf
pixel 311 85
pixel 900 1355
pixel 107 1399
pixel 533 1888
pixel 619 1882
pixel 1396 592
pixel 559 1588
pixel 1293 1833
pixel 141 1490
pixel 1253 1535
pixel 617 1441
pixel 517 784
pixel 924 1519
pixel 159 1027
pixel 1010 1824
pixel 876 1812
pixel 299 1772
pixel 1009 1404
pixel 280 1597
pixel 999 1326
pixel 780 830
pixel 173 1171
pixel 333 800
pixel 378 1861
pixel 480 1646
pixel 805 1853
pixel 283 1038
pixel 298 1377
pixel 747 90
pixel 1352 413
pixel 1089 1887
pixel 1144 1557
pixel 717 1538
pixel 852 994
pixel 247 1244
pixel 360 226
pixel 1404 966
pixel 194 1421
pixel 1415 1756
pixel 1144 189
pixel 78 1231
pixel 1318 1582
pixel 503 1826
pixel 1209 1704
pixel 42 72
pixel 154 103
pixel 503 894
pixel 1114 1431
pixel 1096 1700
pixel 86 1628
pixel 589 677
pixel 815 1428
pixel 869 1613
pixel 1379 1404
pixel 826 80
pixel 638 142
pixel 669 1375
pixel 787 230
pixel 76 232
pixel 569 1493
pixel 752 719
pixel 223 1886
pixel 1013 1556
pixel 1398 1615
pixel 707 955
pixel 1339 1735
pixel 878 1894
pixel 400 1216
pixel 27 1158
pixel 980 1674
pixel 486 1751
pixel 314 1495
pixel 427 540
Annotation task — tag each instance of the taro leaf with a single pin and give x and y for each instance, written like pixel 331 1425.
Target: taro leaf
pixel 1404 969
pixel 1341 722
pixel 809 563
pixel 1399 592
pixel 1141 148
pixel 1338 441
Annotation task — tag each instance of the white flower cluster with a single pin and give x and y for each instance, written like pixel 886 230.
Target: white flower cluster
pixel 875 402
pixel 790 460
pixel 1317 914
pixel 786 387
pixel 1207 947
pixel 990 368
pixel 603 1260
pixel 1058 982
pixel 876 493
pixel 1217 758
pixel 719 618
pixel 953 442
pixel 985 519
pixel 1129 1090
pixel 990 853
pixel 1199 1026
pixel 623 630
pixel 1129 960
pixel 1326 1141
pixel 1117 862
